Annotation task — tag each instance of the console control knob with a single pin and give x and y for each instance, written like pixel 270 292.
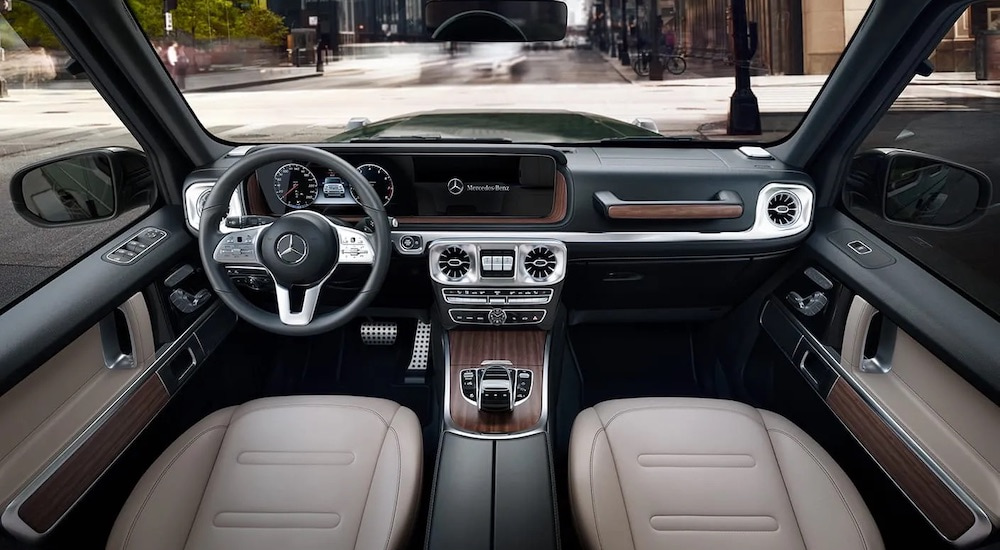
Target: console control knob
pixel 497 316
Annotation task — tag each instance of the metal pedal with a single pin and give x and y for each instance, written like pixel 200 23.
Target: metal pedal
pixel 379 333
pixel 421 349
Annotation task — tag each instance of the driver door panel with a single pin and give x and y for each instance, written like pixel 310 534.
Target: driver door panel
pixel 88 361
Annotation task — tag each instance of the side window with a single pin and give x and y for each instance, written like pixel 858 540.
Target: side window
pixel 48 113
pixel 920 178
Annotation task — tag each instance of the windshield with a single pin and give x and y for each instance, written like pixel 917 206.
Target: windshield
pixel 371 70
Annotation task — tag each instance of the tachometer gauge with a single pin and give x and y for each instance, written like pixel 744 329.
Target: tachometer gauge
pixel 295 185
pixel 379 178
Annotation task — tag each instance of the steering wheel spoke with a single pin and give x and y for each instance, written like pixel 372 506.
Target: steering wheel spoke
pixel 240 247
pixel 299 250
pixel 290 311
pixel 356 246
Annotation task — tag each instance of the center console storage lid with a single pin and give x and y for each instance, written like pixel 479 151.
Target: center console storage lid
pixel 493 495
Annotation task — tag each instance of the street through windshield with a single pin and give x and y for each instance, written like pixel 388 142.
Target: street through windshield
pixel 285 71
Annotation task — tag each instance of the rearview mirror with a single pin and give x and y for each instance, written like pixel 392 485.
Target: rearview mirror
pixel 496 20
pixel 932 192
pixel 82 188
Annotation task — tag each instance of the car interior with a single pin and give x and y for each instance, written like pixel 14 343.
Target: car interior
pixel 494 345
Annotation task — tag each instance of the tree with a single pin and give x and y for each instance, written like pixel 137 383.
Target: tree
pixel 263 24
pixel 29 28
pixel 149 15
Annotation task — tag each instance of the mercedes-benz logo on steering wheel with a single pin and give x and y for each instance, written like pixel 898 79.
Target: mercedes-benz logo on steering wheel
pixel 455 186
pixel 291 248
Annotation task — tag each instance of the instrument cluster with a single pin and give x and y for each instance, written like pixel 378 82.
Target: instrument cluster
pixel 298 186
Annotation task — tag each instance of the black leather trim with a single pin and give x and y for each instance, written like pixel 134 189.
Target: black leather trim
pixel 35 329
pixel 524 505
pixel 461 511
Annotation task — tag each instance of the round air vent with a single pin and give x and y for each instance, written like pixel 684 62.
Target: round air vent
pixel 540 263
pixel 783 209
pixel 454 262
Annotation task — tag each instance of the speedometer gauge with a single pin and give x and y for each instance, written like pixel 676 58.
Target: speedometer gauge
pixel 295 185
pixel 379 178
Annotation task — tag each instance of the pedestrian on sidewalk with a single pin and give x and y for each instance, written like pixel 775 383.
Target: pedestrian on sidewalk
pixel 177 63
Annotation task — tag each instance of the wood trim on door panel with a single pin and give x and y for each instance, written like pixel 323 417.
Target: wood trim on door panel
pixel 66 485
pixel 938 503
pixel 525 349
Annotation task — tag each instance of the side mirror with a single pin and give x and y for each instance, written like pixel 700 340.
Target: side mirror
pixel 81 188
pixel 923 190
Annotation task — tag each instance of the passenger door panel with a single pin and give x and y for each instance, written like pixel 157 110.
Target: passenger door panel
pixel 908 366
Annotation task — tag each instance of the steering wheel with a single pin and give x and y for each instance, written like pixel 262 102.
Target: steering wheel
pixel 299 251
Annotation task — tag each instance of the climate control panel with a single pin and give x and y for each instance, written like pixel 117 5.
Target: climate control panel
pixel 497 283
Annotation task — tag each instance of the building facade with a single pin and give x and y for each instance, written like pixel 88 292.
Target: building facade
pixel 340 22
pixel 794 36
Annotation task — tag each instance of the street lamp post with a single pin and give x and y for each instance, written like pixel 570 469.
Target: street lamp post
pixel 623 50
pixel 655 67
pixel 744 113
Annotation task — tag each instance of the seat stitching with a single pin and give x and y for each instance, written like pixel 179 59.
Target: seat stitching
pixel 693 407
pixel 843 499
pixel 399 476
pixel 313 405
pixel 159 478
pixel 593 497
pixel 788 495
pixel 621 489
pixel 368 495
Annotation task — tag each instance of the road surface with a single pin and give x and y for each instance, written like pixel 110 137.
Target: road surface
pixel 43 123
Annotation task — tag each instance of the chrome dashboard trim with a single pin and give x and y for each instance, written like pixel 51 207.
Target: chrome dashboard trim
pixel 474 248
pixel 543 419
pixel 982 526
pixel 761 230
pixel 193 215
pixel 11 520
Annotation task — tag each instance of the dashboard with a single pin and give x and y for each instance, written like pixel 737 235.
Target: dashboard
pixel 494 186
pixel 518 231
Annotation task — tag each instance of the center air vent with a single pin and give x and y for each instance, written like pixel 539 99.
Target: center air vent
pixel 783 209
pixel 454 262
pixel 540 263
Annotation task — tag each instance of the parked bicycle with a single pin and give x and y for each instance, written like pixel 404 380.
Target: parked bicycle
pixel 673 63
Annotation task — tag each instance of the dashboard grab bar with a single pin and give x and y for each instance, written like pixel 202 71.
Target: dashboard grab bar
pixel 724 205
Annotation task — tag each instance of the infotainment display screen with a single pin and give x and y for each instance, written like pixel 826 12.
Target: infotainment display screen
pixel 484 186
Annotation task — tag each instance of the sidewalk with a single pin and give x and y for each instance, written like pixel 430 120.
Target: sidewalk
pixel 704 72
pixel 227 78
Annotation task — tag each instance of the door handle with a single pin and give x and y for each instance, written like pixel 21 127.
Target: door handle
pixel 725 205
pixel 863 348
pixel 126 334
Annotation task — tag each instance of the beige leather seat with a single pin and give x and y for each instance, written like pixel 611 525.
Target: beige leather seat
pixel 279 474
pixel 708 474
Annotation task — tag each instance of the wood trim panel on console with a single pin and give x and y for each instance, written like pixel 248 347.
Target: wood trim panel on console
pixel 468 349
pixel 66 485
pixel 941 506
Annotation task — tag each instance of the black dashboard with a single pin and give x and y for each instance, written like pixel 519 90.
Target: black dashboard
pixel 676 233
pixel 502 185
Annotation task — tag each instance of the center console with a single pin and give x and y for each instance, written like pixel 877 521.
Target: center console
pixel 498 301
pixel 497 283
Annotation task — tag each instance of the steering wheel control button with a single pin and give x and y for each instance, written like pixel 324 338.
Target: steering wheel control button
pixel 135 246
pixel 292 248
